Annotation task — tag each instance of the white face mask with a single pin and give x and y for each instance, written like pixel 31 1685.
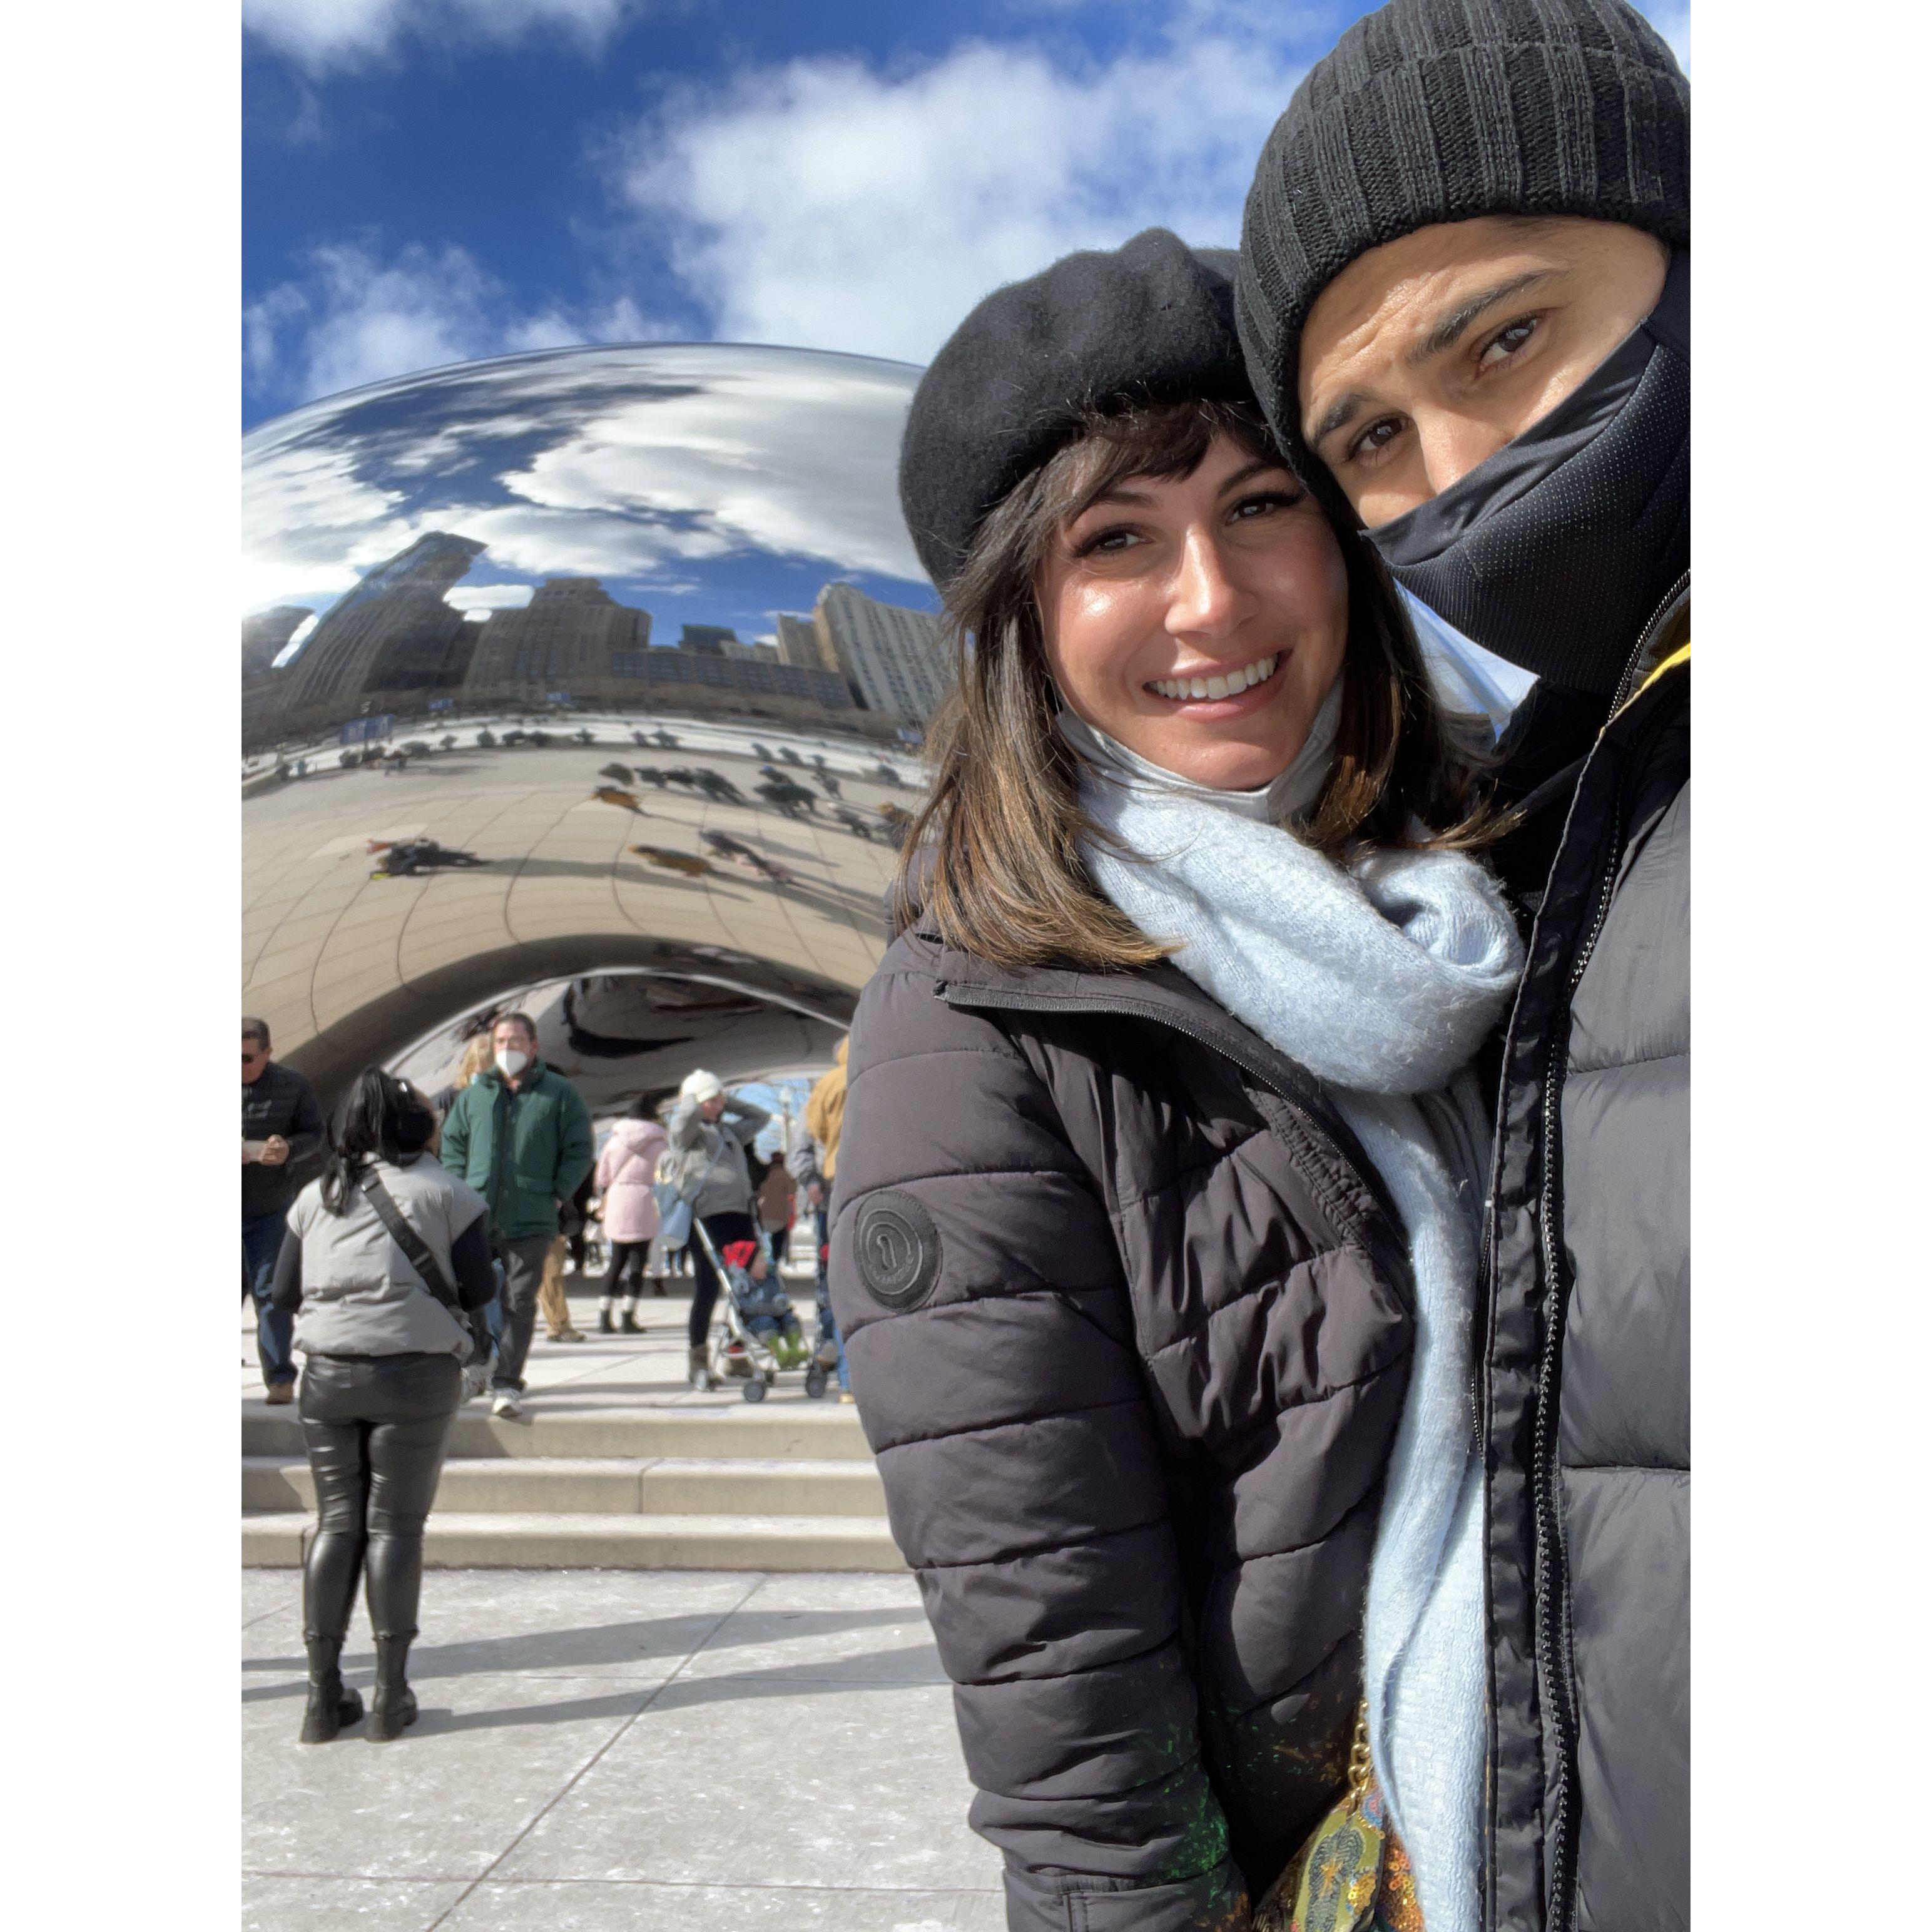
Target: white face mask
pixel 511 1060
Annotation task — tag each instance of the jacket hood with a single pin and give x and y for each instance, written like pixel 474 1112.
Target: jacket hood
pixel 636 1134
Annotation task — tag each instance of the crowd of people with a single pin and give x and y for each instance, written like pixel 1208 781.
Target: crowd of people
pixel 410 1273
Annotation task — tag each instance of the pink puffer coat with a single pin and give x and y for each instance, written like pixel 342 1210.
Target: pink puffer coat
pixel 625 1169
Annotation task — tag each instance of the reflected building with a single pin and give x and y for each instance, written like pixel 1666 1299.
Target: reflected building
pixel 889 655
pixel 571 636
pixel 798 645
pixel 265 635
pixel 394 635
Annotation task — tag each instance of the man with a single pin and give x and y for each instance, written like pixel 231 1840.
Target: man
pixel 281 1125
pixel 520 1134
pixel 1463 297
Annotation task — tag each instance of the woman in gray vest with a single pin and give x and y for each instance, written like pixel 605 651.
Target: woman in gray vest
pixel 384 1350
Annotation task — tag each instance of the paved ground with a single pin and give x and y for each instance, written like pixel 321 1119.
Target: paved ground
pixel 598 1749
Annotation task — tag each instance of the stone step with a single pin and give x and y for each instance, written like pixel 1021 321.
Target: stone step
pixel 582 1540
pixel 666 1486
pixel 772 1430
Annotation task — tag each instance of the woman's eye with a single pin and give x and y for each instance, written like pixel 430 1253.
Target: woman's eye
pixel 1507 342
pixel 1107 542
pixel 1262 502
pixel 1373 440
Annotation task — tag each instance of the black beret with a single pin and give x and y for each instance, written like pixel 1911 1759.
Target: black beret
pixel 1152 321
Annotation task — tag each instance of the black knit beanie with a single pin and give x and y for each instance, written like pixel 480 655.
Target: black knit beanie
pixel 1151 321
pixel 1442 110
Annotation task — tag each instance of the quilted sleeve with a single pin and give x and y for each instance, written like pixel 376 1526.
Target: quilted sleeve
pixel 977 1281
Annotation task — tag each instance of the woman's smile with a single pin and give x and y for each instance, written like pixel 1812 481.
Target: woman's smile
pixel 1214 694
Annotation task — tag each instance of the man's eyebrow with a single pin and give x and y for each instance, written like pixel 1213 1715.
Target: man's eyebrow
pixel 1448 332
pixel 1342 412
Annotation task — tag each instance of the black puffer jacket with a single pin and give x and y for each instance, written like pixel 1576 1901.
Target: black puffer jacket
pixel 1130 1324
pixel 1586 1396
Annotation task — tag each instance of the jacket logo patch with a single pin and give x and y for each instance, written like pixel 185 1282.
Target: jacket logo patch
pixel 896 1247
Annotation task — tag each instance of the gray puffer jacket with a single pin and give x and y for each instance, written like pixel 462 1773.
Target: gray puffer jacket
pixel 1585 1394
pixel 1129 1321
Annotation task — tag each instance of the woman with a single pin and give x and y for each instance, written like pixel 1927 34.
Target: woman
pixel 383 1376
pixel 1155 1239
pixel 627 1170
pixel 710 1130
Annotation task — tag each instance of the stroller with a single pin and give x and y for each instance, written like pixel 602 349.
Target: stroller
pixel 738 1353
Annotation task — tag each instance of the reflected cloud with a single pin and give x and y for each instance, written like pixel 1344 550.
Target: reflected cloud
pixel 740 477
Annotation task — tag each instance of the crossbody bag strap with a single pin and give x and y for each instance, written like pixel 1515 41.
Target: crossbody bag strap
pixel 411 1243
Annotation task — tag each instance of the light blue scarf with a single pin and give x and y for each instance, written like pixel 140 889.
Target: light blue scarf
pixel 1381 978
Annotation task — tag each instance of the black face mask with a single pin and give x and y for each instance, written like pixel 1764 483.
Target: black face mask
pixel 1557 552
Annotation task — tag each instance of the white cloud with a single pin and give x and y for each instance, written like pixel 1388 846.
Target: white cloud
pixel 324 34
pixel 356 317
pixel 479 600
pixel 825 203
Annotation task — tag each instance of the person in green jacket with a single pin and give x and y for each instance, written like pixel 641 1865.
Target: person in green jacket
pixel 520 1134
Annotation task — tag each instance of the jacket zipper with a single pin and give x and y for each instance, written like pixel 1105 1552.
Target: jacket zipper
pixel 984 996
pixel 1552 1595
pixel 1625 683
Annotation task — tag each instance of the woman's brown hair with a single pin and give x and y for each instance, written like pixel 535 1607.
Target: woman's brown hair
pixel 992 863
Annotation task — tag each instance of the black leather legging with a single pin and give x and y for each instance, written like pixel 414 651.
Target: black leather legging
pixel 376 1426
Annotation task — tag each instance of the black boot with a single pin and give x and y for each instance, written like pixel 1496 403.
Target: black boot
pixel 630 1322
pixel 330 1704
pixel 604 1325
pixel 392 1707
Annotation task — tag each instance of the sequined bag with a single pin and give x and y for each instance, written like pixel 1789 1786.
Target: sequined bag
pixel 1352 1874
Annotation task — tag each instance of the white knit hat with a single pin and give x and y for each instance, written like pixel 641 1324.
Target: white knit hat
pixel 700 1086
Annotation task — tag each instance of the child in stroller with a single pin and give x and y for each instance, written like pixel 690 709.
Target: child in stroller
pixel 764 1305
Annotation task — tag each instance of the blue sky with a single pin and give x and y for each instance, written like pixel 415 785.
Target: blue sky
pixel 427 182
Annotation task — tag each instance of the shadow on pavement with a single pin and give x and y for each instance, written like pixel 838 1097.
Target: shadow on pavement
pixel 669 1640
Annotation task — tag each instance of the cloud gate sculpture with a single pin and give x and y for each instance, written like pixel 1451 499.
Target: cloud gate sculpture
pixel 591 679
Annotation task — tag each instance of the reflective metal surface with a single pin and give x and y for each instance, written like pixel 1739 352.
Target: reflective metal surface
pixel 591 678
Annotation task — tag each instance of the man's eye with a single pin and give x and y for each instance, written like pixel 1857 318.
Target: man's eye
pixel 1507 342
pixel 1375 439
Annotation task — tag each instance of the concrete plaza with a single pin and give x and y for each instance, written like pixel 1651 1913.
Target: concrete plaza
pixel 689 1747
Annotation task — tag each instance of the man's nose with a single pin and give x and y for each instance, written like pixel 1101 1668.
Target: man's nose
pixel 1453 445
